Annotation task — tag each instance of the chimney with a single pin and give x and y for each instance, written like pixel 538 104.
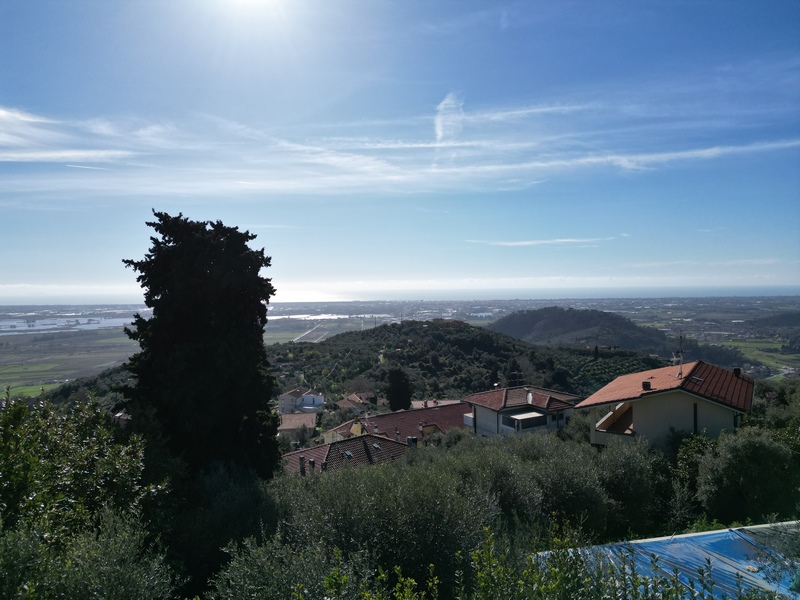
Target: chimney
pixel 324 465
pixel 737 371
pixel 646 385
pixel 311 463
pixel 375 428
pixel 396 434
pixel 420 427
pixel 529 398
pixel 302 465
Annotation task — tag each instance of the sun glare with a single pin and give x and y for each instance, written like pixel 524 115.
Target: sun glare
pixel 257 9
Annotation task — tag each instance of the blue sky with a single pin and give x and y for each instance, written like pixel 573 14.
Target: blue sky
pixel 409 149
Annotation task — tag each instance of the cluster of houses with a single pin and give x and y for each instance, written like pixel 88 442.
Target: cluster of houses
pixel 693 397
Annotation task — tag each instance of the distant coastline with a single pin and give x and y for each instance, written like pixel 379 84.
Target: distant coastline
pixel 465 295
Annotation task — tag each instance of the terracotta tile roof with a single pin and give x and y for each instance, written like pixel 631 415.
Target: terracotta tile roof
pixel 701 379
pixel 354 452
pixel 502 398
pixel 406 423
pixel 297 420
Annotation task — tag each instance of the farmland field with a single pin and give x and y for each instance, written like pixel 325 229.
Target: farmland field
pixel 30 362
pixel 766 351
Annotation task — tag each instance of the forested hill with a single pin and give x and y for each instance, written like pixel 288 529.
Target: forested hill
pixel 791 319
pixel 444 359
pixel 589 328
pixel 571 327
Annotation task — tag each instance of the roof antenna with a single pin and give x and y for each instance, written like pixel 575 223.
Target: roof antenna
pixel 677 357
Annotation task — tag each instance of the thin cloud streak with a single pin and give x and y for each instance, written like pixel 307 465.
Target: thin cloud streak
pixel 43 156
pixel 699 263
pixel 554 242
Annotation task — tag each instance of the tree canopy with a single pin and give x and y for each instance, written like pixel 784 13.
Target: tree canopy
pixel 398 390
pixel 201 376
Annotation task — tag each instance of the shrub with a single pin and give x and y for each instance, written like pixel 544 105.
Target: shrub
pixel 749 476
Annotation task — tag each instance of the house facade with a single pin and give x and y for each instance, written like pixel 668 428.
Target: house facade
pixel 300 401
pixel 292 423
pixel 692 398
pixel 521 409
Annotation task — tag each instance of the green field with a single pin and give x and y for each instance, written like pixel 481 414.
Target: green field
pixel 766 351
pixel 30 362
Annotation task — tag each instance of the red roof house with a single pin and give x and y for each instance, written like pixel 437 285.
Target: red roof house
pixel 403 424
pixel 522 409
pixel 693 397
pixel 353 452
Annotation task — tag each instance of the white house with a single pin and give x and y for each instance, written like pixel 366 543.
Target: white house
pixel 693 397
pixel 522 409
pixel 298 401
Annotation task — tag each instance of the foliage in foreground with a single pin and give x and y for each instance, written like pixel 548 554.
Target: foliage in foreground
pixel 112 560
pixel 566 572
pixel 70 498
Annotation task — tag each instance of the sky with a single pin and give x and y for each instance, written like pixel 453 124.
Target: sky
pixel 412 149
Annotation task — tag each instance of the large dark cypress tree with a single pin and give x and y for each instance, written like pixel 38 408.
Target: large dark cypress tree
pixel 201 376
pixel 398 389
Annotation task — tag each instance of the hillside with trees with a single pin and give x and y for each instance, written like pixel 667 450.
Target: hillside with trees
pixel 445 360
pixel 574 328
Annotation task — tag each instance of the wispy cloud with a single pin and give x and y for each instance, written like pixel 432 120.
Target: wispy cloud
pixel 516 114
pixel 552 242
pixel 744 262
pixel 449 119
pixel 44 156
pixel 88 167
pixel 508 148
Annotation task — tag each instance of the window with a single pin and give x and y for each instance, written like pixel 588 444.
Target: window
pixel 534 422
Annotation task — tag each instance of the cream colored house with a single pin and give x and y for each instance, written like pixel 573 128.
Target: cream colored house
pixel 299 401
pixel 522 409
pixel 692 398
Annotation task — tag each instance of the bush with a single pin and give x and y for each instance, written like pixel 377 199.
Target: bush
pixel 634 477
pixel 58 471
pixel 750 475
pixel 397 517
pixel 112 560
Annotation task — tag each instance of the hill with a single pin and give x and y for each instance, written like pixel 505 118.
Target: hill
pixel 444 359
pixel 788 320
pixel 582 328
pixel 589 328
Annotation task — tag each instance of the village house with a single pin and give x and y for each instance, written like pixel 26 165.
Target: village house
pixel 358 402
pixel 693 398
pixel 299 401
pixel 352 452
pixel 293 423
pixel 402 425
pixel 521 409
